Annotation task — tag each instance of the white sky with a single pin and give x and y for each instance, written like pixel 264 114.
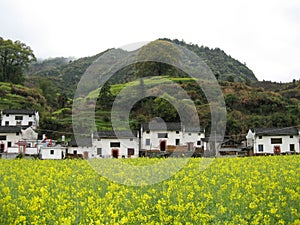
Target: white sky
pixel 265 34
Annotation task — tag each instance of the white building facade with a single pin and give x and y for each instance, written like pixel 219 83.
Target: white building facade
pixel 170 136
pixel 273 140
pixel 9 137
pixel 20 117
pixel 122 144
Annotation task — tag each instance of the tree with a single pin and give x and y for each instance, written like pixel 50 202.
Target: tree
pixel 152 57
pixel 15 57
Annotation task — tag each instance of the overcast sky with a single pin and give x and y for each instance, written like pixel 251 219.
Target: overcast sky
pixel 264 34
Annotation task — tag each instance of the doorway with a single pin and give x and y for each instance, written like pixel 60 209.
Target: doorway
pixel 115 153
pixel 163 146
pixel 2 147
pixel 277 150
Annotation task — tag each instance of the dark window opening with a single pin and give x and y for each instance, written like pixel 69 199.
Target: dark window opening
pixel 99 151
pixel 162 135
pixel 276 140
pixel 147 141
pixel 115 144
pixel 18 117
pixel 2 138
pixel 130 152
pixel 292 147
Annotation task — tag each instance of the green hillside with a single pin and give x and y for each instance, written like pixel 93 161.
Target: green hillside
pixel 66 74
pixel 249 103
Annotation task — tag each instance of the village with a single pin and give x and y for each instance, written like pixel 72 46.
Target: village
pixel 19 138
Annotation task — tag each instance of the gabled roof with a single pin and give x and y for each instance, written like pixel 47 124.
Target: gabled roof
pixel 161 126
pixel 113 134
pixel 19 111
pixel 82 141
pixel 10 129
pixel 286 131
pixel 171 126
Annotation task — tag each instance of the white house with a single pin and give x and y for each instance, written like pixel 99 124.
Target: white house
pixel 273 140
pixel 9 137
pixel 81 147
pixel 119 144
pixel 52 152
pixel 168 137
pixel 20 117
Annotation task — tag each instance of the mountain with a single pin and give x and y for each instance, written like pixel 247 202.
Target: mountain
pixel 65 74
pixel 249 103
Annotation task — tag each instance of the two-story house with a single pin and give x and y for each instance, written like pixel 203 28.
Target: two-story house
pixel 273 140
pixel 20 117
pixel 169 137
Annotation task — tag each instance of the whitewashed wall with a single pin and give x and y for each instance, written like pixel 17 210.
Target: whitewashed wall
pixel 10 137
pixel 125 143
pixel 10 118
pixel 57 152
pixel 269 148
pixel 184 138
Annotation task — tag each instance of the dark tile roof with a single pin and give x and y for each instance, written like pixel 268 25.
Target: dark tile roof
pixel 9 129
pixel 276 131
pixel 172 126
pixel 19 111
pixel 82 141
pixel 113 134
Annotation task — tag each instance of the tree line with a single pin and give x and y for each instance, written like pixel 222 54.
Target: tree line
pixel 15 57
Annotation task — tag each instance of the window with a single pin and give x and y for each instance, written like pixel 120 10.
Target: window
pixel 115 144
pixel 30 115
pixel 199 134
pixel 131 139
pixel 2 138
pixel 130 151
pixel 99 151
pixel 276 140
pixel 7 115
pixel 17 133
pixel 177 131
pixel 198 142
pixel 18 123
pixel 162 135
pixel 259 137
pixel 51 152
pixel 6 123
pixel 18 117
pixel 147 141
pixel 9 144
pixel 177 142
pixel 147 131
pixel 75 152
pixel 190 134
pixel 260 148
pixel 292 147
pixel 291 136
pixel 30 123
